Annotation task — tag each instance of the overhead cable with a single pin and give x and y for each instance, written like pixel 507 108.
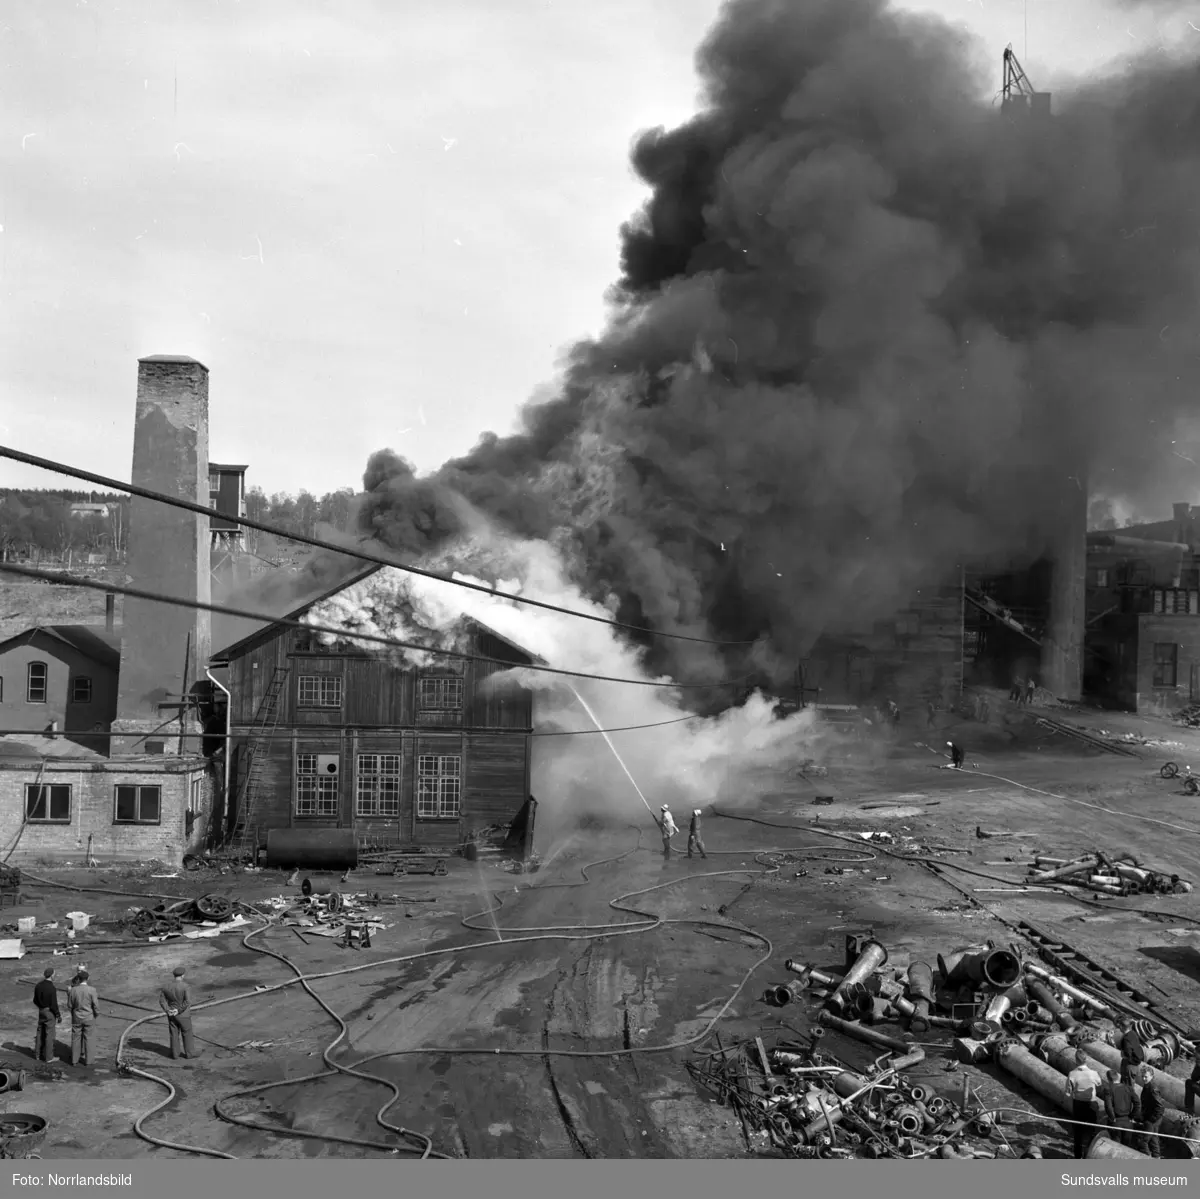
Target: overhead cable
pixel 66 580
pixel 362 555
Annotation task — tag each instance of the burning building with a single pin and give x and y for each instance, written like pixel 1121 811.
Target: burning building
pixel 334 734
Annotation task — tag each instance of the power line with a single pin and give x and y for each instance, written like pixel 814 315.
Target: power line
pixel 65 580
pixel 96 734
pixel 316 543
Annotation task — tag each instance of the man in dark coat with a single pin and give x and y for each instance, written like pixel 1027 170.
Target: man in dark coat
pixel 1121 1109
pixel 176 1001
pixel 45 999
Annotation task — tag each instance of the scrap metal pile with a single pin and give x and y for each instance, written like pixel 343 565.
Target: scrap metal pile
pixel 323 911
pixel 996 1004
pixel 186 917
pixel 1111 874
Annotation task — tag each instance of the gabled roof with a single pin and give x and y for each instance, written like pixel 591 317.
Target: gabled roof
pixel 360 575
pixel 96 643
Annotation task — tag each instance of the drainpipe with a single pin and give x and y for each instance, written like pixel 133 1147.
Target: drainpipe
pixel 228 747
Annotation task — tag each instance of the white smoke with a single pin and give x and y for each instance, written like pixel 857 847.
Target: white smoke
pixel 688 764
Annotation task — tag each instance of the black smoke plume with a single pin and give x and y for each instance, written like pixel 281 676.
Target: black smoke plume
pixel 866 325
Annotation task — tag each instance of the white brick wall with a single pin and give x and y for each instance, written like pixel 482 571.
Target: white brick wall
pixel 93 799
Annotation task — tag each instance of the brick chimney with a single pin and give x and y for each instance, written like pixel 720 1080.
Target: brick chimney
pixel 163 647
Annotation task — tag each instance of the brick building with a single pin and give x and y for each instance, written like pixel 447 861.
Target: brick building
pixel 336 736
pixel 149 795
pixel 1143 597
pixel 62 677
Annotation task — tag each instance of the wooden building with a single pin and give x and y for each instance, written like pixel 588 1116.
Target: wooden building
pixel 337 736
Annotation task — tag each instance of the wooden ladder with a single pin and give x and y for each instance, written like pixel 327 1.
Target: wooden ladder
pixel 265 723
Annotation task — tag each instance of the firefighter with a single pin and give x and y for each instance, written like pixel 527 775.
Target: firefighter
pixel 175 1000
pixel 1017 689
pixel 1030 688
pixel 82 1004
pixel 956 755
pixel 45 998
pixel 932 712
pixel 694 839
pixel 668 828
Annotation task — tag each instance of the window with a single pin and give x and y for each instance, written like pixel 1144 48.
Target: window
pixel 49 804
pixel 81 690
pixel 197 795
pixel 378 785
pixel 1 690
pixel 316 791
pixel 35 688
pixel 1166 663
pixel 320 691
pixel 138 805
pixel 1102 578
pixel 442 695
pixel 439 786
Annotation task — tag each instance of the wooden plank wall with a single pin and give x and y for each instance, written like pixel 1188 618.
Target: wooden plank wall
pixel 495 785
pixel 496 707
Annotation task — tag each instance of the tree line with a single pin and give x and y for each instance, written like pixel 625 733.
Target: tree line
pixel 39 523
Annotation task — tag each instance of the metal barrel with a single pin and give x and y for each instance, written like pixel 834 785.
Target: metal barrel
pixel 312 849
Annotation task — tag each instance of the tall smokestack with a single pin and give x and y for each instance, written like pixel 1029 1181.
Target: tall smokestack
pixel 164 648
pixel 1062 646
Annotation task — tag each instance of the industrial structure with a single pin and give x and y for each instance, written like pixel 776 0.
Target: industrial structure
pixel 137 784
pixel 333 736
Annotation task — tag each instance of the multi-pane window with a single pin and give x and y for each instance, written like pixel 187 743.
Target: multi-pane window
pixel 1176 602
pixel 378 785
pixel 138 805
pixel 316 790
pixel 1166 664
pixel 320 691
pixel 1102 578
pixel 51 804
pixel 439 786
pixel 81 690
pixel 197 795
pixel 441 694
pixel 35 687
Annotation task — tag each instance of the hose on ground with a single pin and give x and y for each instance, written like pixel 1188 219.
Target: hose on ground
pixel 644 922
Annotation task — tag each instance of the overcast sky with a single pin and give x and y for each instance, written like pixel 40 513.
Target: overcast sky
pixel 378 224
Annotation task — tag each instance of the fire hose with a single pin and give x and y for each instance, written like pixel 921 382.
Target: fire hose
pixel 644 922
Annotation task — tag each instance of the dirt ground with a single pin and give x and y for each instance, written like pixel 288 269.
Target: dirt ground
pixel 653 990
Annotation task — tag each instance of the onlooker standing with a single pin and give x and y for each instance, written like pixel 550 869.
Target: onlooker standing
pixel 1083 1085
pixel 932 714
pixel 45 998
pixel 82 1004
pixel 176 1001
pixel 1154 1107
pixel 1133 1052
pixel 1121 1108
pixel 1017 689
pixel 1030 688
pixel 1191 1089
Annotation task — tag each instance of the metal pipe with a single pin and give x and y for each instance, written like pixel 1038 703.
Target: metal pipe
pixel 783 994
pixel 1067 989
pixel 1105 1146
pixel 920 994
pixel 949 962
pixel 832 1115
pixel 1059 1053
pixel 1042 1077
pixel 1084 863
pixel 811 975
pixel 879 1010
pixel 909 1120
pixel 861 1033
pixel 1167 1085
pixel 1001 1003
pixel 998 968
pixel 871 956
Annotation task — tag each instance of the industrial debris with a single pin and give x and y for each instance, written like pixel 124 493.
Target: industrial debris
pixel 1112 874
pixel 997 1004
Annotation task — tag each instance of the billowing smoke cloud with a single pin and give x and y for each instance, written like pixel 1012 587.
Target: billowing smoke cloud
pixel 684 760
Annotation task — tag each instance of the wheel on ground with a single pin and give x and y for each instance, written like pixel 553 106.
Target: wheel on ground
pixel 1169 770
pixel 1192 786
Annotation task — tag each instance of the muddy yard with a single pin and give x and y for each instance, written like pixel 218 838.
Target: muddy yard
pixel 514 1046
